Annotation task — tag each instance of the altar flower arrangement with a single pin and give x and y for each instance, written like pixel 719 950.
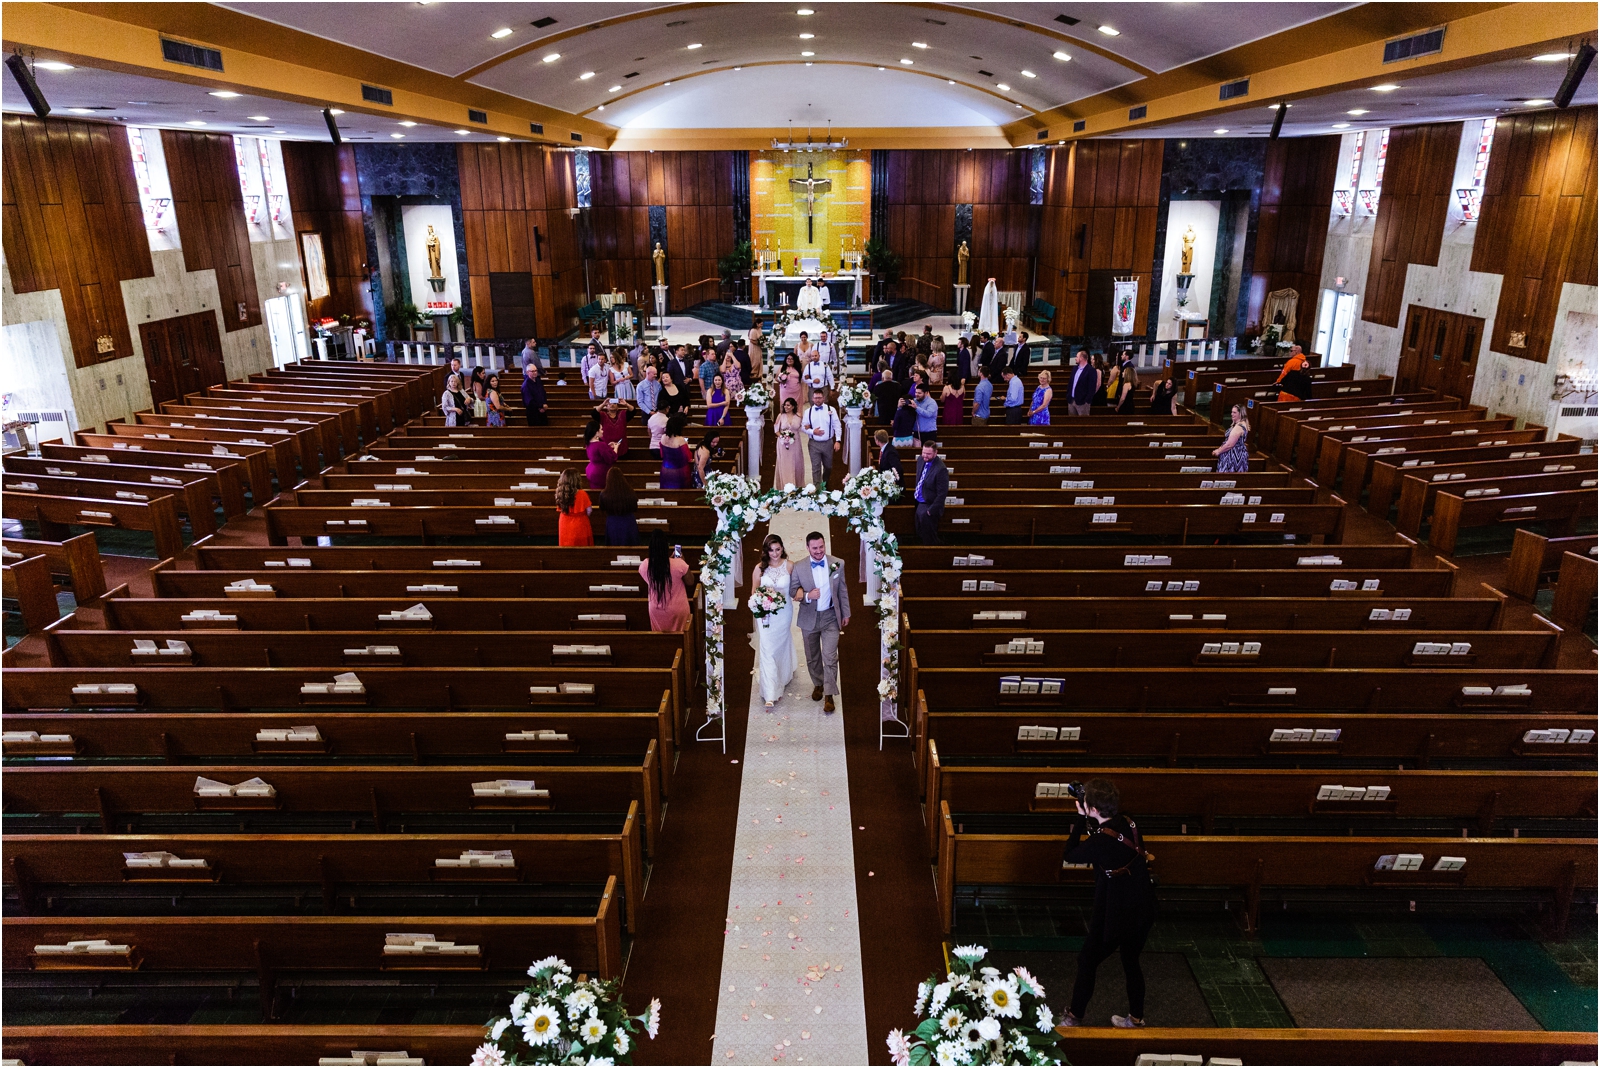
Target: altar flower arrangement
pixel 854 394
pixel 1010 314
pixel 978 1016
pixel 756 395
pixel 766 601
pixel 559 1020
pixel 968 321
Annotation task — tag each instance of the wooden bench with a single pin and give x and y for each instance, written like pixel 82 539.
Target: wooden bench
pixel 1102 557
pixel 324 425
pixel 1319 435
pixel 1575 591
pixel 1385 472
pixel 1297 428
pixel 279 448
pixel 1418 493
pixel 76 559
pixel 27 581
pixel 1536 558
pixel 1264 414
pixel 191 497
pixel 1359 457
pixel 1561 509
pixel 229 491
pixel 1335 445
pixel 1209 383
pixel 535 520
pixel 1187 371
pixel 1180 612
pixel 1136 583
pixel 305 439
pixel 599 558
pixel 1222 402
pixel 253 463
pixel 55 516
pixel 1175 523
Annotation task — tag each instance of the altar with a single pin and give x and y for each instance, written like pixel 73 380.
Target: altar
pixel 841 288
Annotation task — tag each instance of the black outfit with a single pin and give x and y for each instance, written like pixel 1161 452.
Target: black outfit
pixel 463 408
pixel 889 460
pixel 533 399
pixel 1126 405
pixel 932 485
pixel 904 423
pixel 886 394
pixel 1020 359
pixel 1161 399
pixel 902 364
pixel 1124 906
pixel 1297 384
pixel 741 356
pixel 672 404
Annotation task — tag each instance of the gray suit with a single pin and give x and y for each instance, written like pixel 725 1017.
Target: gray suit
pixel 820 629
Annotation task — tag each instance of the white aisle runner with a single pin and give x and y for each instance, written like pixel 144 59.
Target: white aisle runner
pixel 791 959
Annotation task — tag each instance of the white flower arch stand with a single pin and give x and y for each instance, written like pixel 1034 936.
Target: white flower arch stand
pixel 740 504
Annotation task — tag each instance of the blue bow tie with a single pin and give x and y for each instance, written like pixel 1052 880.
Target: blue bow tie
pixel 819 563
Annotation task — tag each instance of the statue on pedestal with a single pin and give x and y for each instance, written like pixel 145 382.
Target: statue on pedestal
pixel 963 254
pixel 660 258
pixel 1188 251
pixel 435 266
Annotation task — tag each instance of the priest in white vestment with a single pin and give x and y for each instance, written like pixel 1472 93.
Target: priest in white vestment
pixel 808 299
pixel 989 311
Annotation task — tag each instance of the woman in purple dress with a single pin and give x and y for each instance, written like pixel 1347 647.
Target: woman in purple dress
pixel 1233 455
pixel 675 458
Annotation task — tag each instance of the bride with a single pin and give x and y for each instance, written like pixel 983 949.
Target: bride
pixel 775 651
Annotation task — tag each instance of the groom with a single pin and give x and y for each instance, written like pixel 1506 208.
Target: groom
pixel 824 611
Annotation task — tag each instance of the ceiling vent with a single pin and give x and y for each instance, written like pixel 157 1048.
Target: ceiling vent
pixel 577 137
pixel 190 55
pixel 1080 125
pixel 635 74
pixel 1137 113
pixel 935 22
pixel 536 127
pixel 987 73
pixel 481 117
pixel 1421 44
pixel 1067 20
pixel 1234 89
pixel 373 94
pixel 1043 134
pixel 540 24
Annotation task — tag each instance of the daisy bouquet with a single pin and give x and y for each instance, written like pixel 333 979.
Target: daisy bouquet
pixel 854 394
pixel 560 1020
pixel 766 601
pixel 978 1016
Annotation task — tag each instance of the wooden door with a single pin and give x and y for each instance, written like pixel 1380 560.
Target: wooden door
pixel 209 368
pixel 158 361
pixel 1460 361
pixel 182 355
pixel 1412 341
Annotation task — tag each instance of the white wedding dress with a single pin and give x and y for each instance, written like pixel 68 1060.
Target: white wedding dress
pixel 775 639
pixel 989 310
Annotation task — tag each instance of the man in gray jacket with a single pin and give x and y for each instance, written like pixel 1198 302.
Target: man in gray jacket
pixel 818 587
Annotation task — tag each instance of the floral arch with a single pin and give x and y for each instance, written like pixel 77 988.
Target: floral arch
pixel 740 504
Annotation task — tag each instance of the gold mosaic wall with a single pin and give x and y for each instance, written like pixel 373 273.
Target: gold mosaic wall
pixel 778 210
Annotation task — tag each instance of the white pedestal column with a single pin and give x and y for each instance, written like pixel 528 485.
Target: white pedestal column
pixel 852 436
pixel 961 299
pixel 661 302
pixel 754 420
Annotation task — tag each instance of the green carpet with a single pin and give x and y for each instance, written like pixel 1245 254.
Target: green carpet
pixel 1452 993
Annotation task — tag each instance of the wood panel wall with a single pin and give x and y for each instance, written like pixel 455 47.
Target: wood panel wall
pixel 921 193
pixel 514 201
pixel 1292 226
pixel 1417 180
pixel 1102 202
pixel 208 203
pixel 696 188
pixel 325 198
pixel 1538 223
pixel 72 221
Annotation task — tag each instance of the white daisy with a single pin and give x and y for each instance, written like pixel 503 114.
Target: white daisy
pixel 499 1028
pixel 923 990
pixel 652 1022
pixel 592 1030
pixel 540 965
pixel 951 1021
pixel 542 1025
pixel 580 1001
pixel 970 953
pixel 1001 997
pixel 900 1046
pixel 518 1005
pixel 599 1060
pixel 619 1042
pixel 988 1029
pixel 488 1054
pixel 946 1053
pixel 1030 985
pixel 1047 1021
pixel 972 1034
pixel 941 994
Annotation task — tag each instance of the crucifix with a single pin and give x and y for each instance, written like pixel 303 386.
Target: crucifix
pixel 812 187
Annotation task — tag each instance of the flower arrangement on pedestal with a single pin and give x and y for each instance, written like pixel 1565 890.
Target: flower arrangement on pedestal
pixel 853 394
pixel 978 1016
pixel 741 504
pixel 756 395
pixel 559 1020
pixel 1010 315
pixel 968 321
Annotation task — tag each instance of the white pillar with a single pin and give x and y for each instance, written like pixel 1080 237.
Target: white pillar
pixel 730 593
pixel 961 299
pixel 852 435
pixel 754 420
pixel 870 557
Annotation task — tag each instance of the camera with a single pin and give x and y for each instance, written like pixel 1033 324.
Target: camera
pixel 1075 790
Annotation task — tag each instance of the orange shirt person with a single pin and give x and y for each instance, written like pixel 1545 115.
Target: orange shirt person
pixel 1296 362
pixel 572 525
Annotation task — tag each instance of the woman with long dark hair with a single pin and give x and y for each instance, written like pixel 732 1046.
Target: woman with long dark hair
pixel 602 455
pixel 675 457
pixel 663 574
pixel 621 506
pixel 573 506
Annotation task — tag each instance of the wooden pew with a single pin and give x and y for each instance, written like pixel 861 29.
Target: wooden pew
pixel 1575 591
pixel 1140 582
pixel 1319 435
pixel 1385 472
pixel 1167 611
pixel 1249 867
pixel 35 863
pixel 77 559
pixel 274 944
pixel 210 557
pixel 1418 493
pixel 1535 557
pixel 1413 509
pixel 56 516
pixel 1246 735
pixel 305 439
pixel 1186 371
pixel 1102 557
pixel 323 424
pixel 252 461
pixel 1561 508
pixel 357 409
pixel 1335 445
pixel 1165 522
pixel 1359 457
pixel 228 492
pixel 1293 422
pixel 1222 401
pixel 27 581
pixel 192 497
pixel 1209 383
pixel 536 520
pixel 279 448
pixel 1264 414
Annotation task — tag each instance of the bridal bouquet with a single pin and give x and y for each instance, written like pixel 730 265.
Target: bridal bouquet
pixel 766 601
pixel 978 1016
pixel 556 1020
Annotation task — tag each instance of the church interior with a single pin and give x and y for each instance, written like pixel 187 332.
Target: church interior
pixel 562 532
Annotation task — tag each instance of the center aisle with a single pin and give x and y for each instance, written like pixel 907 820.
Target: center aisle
pixel 791 965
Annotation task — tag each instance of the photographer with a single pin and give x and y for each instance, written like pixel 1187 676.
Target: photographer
pixel 1124 900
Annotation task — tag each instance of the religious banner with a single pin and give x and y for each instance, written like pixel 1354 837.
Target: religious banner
pixel 1124 298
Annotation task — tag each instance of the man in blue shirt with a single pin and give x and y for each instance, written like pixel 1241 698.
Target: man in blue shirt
pixel 1014 407
pixel 981 395
pixel 927 413
pixel 648 391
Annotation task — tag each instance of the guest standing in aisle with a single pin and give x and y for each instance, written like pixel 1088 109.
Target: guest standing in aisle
pixel 663 573
pixel 621 505
pixel 675 458
pixel 1233 455
pixel 982 394
pixel 889 457
pixel 573 508
pixel 932 486
pixel 1039 409
pixel 1085 380
pixel 1014 406
pixel 535 403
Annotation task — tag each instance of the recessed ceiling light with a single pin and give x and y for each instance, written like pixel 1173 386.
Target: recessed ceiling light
pixel 336 111
pixel 808 64
pixel 225 94
pixel 1387 87
pixel 883 68
pixel 1060 142
pixel 504 31
pixel 1017 106
pixel 81 111
pixel 397 136
pixel 1003 87
pixel 1274 107
pixel 1221 130
pixel 1356 111
pixel 919 44
pixel 552 57
pixel 692 47
pixel 195 122
pixel 948 81
pixel 1063 57
pixel 1029 74
pixel 50 64
pixel 807 36
pixel 502 139
pixel 261 118
pixel 1535 103
pixel 1341 126
pixel 618 88
pixel 463 133
pixel 1110 32
pixel 805 11
pixel 586 75
pixel 905 62
pixel 666 83
pixel 407 122
pixel 808 53
pixel 1553 57
pixel 602 107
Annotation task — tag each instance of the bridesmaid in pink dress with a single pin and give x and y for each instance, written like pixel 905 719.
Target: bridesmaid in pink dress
pixel 789 382
pixel 790 466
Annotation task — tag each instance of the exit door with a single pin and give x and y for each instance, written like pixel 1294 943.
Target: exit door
pixel 1335 318
pixel 182 355
pixel 1439 352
